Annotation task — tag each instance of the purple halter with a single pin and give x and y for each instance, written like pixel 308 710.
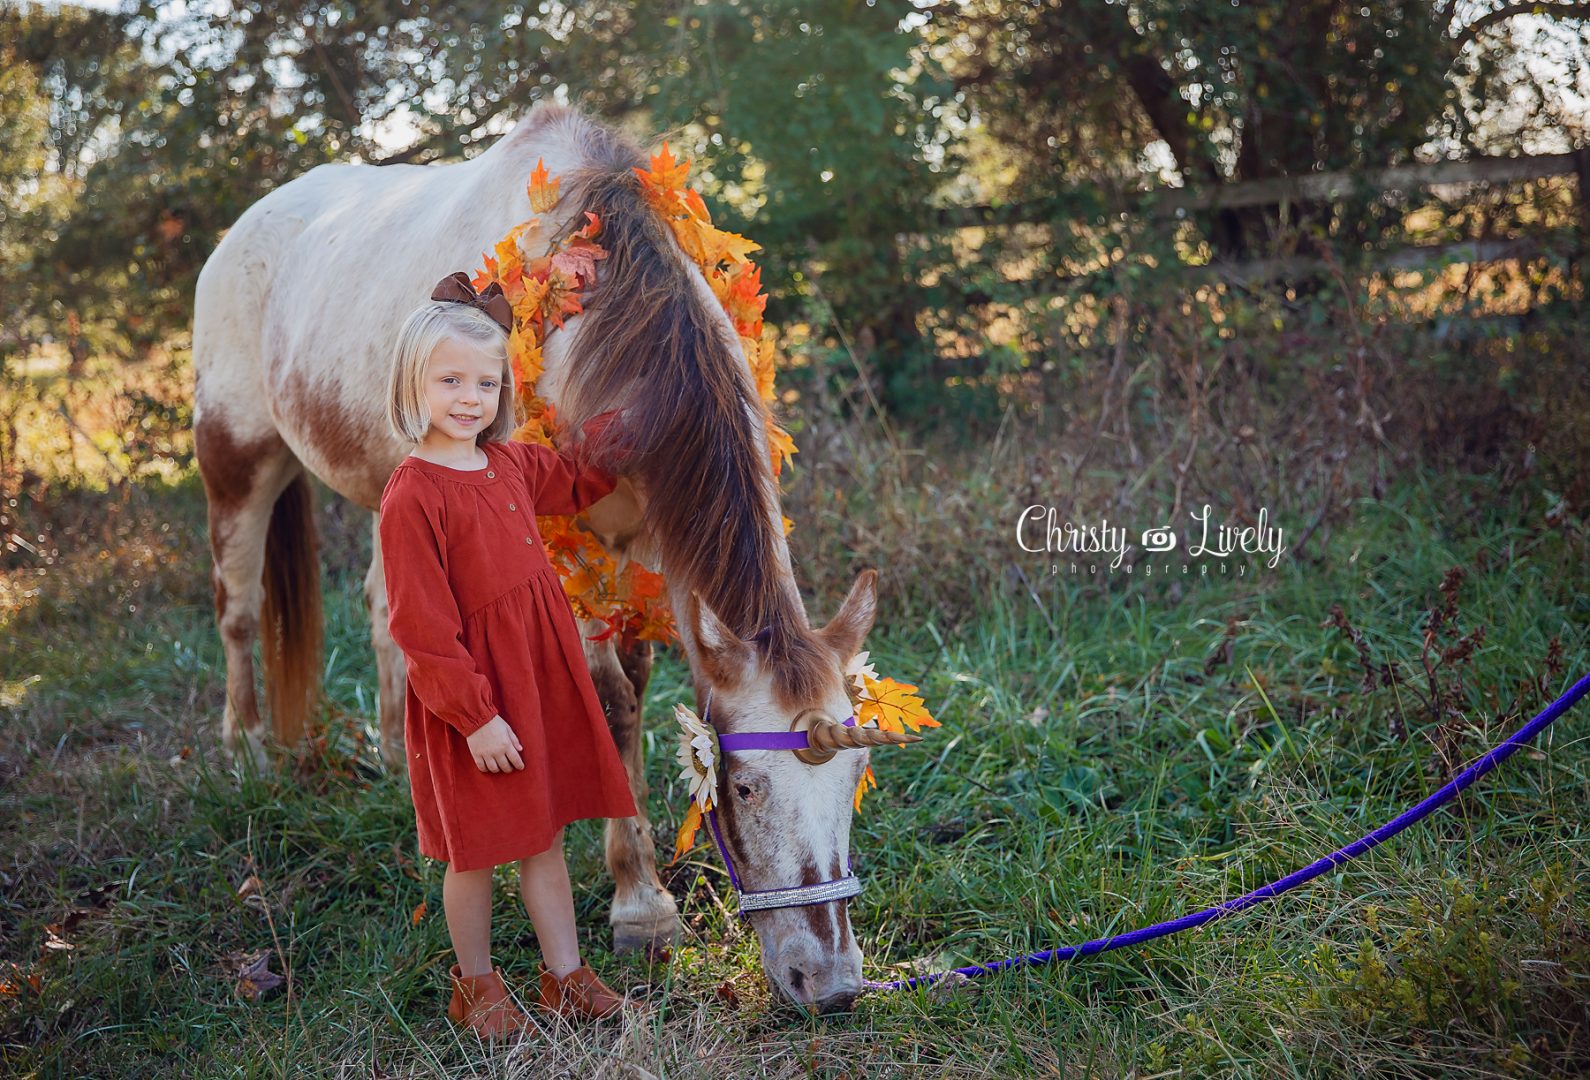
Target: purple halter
pixel 823 892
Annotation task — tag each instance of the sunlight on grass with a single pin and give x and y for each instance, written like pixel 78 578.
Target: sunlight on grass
pixel 13 692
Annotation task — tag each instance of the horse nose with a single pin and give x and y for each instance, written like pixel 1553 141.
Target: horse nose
pixel 805 990
pixel 837 1003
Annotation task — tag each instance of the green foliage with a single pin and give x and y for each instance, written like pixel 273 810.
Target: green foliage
pixel 1423 967
pixel 1111 769
pixel 841 133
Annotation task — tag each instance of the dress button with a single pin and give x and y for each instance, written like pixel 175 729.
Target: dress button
pixel 511 506
pixel 528 540
pixel 490 475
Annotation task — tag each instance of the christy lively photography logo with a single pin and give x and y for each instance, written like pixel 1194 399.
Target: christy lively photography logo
pixel 1206 545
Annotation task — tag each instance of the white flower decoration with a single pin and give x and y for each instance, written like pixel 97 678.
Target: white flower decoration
pixel 859 670
pixel 698 756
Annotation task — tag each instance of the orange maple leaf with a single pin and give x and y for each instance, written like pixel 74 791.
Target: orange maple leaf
pixel 894 705
pixel 759 358
pixel 727 245
pixel 780 446
pixel 691 235
pixel 642 584
pixel 525 354
pixel 665 174
pixel 861 786
pixel 486 276
pixel 686 838
pixel 695 206
pixel 543 195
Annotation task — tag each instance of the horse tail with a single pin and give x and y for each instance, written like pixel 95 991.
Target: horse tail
pixel 291 627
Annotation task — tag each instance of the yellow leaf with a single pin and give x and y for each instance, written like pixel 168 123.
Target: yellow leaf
pixel 861 786
pixel 722 245
pixel 687 831
pixel 759 357
pixel 525 355
pixel 780 446
pixel 692 237
pixel 894 706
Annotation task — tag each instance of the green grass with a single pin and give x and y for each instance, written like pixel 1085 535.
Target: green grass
pixel 1096 771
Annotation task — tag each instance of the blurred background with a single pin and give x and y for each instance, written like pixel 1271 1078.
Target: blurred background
pixel 1100 215
pixel 1165 250
pixel 1313 258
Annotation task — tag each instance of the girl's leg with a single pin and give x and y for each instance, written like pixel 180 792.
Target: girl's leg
pixel 466 901
pixel 549 901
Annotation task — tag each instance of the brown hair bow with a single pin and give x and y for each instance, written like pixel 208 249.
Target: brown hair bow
pixel 457 289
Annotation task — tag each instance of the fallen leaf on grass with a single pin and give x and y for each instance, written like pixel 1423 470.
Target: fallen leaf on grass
pixel 419 913
pixel 255 979
pixel 252 893
pixel 12 982
pixel 726 994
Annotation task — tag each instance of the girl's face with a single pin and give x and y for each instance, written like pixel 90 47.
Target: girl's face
pixel 462 389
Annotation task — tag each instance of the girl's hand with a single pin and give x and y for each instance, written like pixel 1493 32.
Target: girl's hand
pixel 495 747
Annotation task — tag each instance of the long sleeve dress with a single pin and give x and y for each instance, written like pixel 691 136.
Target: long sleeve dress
pixel 480 614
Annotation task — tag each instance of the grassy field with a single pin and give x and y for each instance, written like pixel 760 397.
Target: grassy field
pixel 1115 751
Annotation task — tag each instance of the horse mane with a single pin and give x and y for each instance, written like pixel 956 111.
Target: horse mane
pixel 649 343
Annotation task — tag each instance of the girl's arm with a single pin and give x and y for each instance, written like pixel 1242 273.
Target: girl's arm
pixel 565 481
pixel 423 614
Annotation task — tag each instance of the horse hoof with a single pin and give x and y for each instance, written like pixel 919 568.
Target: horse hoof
pixel 247 751
pixel 650 935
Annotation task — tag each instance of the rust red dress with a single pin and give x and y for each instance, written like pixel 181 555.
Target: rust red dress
pixel 482 619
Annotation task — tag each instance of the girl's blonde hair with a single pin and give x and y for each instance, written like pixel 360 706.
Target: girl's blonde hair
pixel 428 326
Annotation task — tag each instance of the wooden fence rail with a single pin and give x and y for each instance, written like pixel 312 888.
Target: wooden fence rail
pixel 1163 203
pixel 1273 191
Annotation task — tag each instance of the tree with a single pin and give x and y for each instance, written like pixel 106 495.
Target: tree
pixel 1230 90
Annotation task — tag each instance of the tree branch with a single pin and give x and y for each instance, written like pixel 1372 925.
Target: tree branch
pixel 1508 11
pixel 440 140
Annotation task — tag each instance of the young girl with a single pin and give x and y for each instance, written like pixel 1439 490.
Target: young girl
pixel 505 735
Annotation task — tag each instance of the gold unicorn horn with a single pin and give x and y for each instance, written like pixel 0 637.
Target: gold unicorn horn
pixel 825 736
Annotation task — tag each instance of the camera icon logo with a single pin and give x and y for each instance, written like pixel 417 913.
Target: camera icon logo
pixel 1160 539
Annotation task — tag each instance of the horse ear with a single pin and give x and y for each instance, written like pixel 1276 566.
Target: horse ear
pixel 848 629
pixel 724 656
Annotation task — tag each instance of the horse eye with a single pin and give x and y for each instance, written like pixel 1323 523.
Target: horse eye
pixel 744 791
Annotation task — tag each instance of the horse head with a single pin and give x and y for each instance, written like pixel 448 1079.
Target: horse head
pixel 782 815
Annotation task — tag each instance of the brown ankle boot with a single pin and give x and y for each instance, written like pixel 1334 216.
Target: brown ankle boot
pixel 481 1003
pixel 579 994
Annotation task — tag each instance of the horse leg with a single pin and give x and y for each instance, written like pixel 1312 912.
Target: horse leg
pixel 644 913
pixel 242 480
pixel 390 667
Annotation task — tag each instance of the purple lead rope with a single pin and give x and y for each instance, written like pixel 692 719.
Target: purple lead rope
pixel 1485 764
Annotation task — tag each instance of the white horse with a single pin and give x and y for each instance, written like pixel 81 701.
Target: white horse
pixel 294 324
